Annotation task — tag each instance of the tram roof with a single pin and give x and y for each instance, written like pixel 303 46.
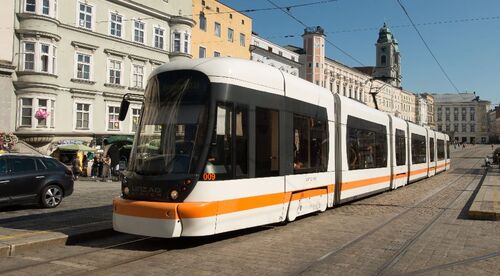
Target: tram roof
pixel 233 70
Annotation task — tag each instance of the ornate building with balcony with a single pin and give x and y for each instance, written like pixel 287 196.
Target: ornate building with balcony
pixel 65 65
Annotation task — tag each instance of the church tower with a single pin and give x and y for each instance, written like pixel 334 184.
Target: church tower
pixel 314 48
pixel 388 64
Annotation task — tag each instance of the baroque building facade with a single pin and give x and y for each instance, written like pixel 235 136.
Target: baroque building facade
pixel 220 30
pixel 359 83
pixel 72 61
pixel 266 52
pixel 463 116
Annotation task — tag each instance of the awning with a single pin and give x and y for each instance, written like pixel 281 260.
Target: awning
pixel 119 139
pixel 75 147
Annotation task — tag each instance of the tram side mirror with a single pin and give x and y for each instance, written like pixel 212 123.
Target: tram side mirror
pixel 123 109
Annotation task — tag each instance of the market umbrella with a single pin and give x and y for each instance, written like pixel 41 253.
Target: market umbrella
pixel 75 147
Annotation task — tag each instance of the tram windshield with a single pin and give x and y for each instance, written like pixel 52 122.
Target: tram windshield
pixel 173 124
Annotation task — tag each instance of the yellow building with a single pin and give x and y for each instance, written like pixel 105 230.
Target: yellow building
pixel 220 31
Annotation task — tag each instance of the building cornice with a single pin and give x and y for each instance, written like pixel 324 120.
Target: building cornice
pixel 83 45
pixel 265 52
pixel 26 15
pixel 156 13
pixel 115 53
pixel 23 33
pixel 108 37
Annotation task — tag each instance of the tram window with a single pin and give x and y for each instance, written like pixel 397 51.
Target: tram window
pixel 267 142
pixel 310 145
pixel 366 144
pixel 241 139
pixel 431 149
pixel 440 149
pixel 418 149
pixel 400 147
pixel 219 157
pixel 229 146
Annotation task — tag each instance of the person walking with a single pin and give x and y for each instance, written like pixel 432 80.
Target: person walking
pixel 106 168
pixel 85 164
pixel 75 167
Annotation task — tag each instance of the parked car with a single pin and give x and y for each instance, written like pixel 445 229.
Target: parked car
pixel 28 178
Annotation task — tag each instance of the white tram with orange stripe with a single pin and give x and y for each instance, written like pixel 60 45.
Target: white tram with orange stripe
pixel 227 144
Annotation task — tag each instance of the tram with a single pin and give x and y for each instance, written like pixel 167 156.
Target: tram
pixel 227 144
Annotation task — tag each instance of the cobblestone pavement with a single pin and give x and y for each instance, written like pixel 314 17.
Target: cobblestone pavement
pixel 421 228
pixel 90 202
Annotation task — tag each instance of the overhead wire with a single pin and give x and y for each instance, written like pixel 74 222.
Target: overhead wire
pixel 427 46
pixel 287 12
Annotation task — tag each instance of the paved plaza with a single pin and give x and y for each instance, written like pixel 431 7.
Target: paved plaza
pixel 423 228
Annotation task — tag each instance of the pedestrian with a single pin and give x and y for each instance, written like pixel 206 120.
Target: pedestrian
pixel 106 168
pixel 75 167
pixel 93 171
pixel 99 166
pixel 85 164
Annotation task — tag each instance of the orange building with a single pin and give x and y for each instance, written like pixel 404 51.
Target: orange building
pixel 220 31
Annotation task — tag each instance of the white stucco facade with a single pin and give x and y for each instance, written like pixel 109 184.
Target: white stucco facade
pixel 74 60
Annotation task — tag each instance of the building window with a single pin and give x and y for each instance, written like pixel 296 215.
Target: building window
pixel 30 6
pixel 186 43
pixel 447 114
pixel 85 16
pixel 158 37
pixel 115 28
pixel 455 114
pixel 40 109
pixel 464 127
pixel 139 31
pixel 45 7
pixel 230 35
pixel 29 56
pixel 243 41
pixel 203 22
pixel 115 71
pixel 216 54
pixel 46 60
pixel 464 114
pixel 138 76
pixel 177 42
pixel 136 113
pixel 82 116
pixel 113 122
pixel 26 111
pixel 472 112
pixel 83 66
pixel 440 127
pixel 217 29
pixel 44 57
pixel 455 127
pixel 383 59
pixel 472 128
pixel 52 113
pixel 202 52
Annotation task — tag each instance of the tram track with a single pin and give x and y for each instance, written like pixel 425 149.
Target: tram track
pixel 44 262
pixel 390 262
pixel 387 265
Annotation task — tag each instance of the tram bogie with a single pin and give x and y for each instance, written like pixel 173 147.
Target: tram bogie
pixel 227 144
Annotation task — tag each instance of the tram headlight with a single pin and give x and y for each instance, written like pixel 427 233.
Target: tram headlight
pixel 188 182
pixel 174 194
pixel 126 190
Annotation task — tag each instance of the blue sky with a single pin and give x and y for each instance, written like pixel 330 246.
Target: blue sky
pixel 469 50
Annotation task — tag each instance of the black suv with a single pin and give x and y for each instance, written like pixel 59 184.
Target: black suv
pixel 30 178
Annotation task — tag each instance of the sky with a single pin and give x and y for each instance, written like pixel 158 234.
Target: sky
pixel 464 36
